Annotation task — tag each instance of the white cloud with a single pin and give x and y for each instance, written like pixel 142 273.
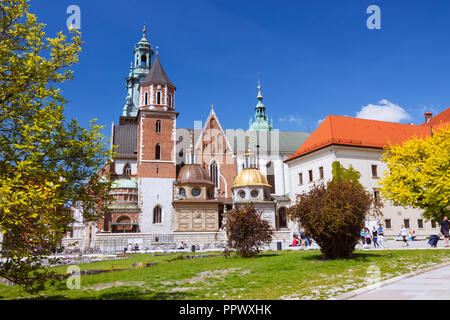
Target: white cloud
pixel 384 111
pixel 320 121
pixel 291 118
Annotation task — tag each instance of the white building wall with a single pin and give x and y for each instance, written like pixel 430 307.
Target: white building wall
pixel 361 160
pixel 153 192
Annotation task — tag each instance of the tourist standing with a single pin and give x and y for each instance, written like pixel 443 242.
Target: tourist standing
pixel 363 238
pixel 403 235
pixel 444 230
pixel 375 237
pixel 380 233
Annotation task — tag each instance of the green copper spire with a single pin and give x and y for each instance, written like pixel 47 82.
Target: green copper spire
pixel 261 122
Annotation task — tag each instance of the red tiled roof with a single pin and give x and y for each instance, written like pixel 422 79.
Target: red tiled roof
pixel 440 120
pixel 337 130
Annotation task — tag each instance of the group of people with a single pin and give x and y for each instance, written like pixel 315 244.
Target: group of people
pixel 303 239
pixel 407 237
pixel 376 236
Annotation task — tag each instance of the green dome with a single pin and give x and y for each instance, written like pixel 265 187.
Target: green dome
pixel 124 184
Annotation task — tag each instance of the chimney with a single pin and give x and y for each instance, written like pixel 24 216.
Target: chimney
pixel 428 116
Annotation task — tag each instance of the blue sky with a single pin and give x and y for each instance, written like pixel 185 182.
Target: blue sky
pixel 315 58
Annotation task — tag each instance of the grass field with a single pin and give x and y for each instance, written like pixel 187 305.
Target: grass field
pixel 272 275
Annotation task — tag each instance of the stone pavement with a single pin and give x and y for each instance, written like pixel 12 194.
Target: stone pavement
pixel 431 285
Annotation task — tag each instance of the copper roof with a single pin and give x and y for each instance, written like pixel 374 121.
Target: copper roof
pixel 193 173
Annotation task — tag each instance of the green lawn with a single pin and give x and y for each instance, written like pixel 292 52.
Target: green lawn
pixel 272 275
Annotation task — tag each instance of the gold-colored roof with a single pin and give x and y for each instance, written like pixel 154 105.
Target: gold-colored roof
pixel 250 177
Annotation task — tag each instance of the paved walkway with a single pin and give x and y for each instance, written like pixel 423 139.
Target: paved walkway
pixel 431 285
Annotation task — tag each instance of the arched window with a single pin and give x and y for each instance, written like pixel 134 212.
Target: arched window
pixel 127 169
pixel 170 100
pixel 214 172
pixel 158 97
pixel 146 99
pixel 271 175
pixel 157 215
pixel 282 218
pixel 158 152
pixel 158 126
pixel 144 61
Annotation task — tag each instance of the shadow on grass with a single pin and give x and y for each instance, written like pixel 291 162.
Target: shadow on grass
pixel 356 256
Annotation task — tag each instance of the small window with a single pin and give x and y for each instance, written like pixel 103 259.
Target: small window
pixel 182 192
pixel 433 223
pixel 196 192
pixel 406 223
pixel 170 100
pixel 300 178
pixel 157 215
pixel 127 169
pixel 387 223
pixel 311 178
pixel 242 194
pixel 420 223
pixel 254 193
pixel 158 97
pixel 146 98
pixel 158 126
pixel 321 172
pixel 374 171
pixel 158 152
pixel 376 195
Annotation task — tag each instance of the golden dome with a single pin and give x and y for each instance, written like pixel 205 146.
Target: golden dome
pixel 250 177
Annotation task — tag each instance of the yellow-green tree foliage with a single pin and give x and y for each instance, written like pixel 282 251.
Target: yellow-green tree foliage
pixel 418 174
pixel 47 162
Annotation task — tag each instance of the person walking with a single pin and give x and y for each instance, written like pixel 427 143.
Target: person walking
pixel 368 236
pixel 380 233
pixel 375 237
pixel 444 230
pixel 403 234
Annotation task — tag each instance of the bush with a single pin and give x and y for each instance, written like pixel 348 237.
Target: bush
pixel 247 231
pixel 334 215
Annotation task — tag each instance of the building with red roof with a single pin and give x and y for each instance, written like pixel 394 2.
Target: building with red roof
pixel 360 143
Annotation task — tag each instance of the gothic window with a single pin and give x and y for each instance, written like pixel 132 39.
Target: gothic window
pixel 214 172
pixel 127 169
pixel 158 152
pixel 157 214
pixel 158 97
pixel 282 218
pixel 158 126
pixel 271 176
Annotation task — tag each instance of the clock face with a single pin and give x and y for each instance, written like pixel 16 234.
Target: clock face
pixel 182 192
pixel 196 192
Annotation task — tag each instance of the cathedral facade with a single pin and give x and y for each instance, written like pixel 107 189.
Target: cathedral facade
pixel 174 185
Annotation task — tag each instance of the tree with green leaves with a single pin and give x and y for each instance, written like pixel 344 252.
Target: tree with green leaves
pixel 418 174
pixel 47 162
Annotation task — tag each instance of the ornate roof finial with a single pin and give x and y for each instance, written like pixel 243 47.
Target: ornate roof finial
pixel 157 49
pixel 212 107
pixel 259 97
pixel 144 31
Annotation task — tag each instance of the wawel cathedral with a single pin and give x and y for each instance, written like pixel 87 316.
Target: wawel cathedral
pixel 174 185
